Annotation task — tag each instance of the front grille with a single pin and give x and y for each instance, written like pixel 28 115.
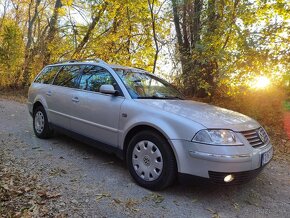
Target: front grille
pixel 256 137
pixel 239 177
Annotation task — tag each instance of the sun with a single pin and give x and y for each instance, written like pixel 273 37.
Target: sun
pixel 260 82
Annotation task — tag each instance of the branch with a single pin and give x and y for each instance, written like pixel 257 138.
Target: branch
pixel 90 29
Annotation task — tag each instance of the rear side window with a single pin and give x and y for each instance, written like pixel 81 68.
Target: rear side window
pixel 68 76
pixel 47 75
pixel 94 76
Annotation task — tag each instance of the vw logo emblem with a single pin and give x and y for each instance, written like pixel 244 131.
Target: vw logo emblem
pixel 261 135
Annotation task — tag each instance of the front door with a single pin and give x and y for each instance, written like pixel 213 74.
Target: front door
pixel 96 115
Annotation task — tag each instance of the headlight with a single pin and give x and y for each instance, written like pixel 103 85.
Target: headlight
pixel 217 137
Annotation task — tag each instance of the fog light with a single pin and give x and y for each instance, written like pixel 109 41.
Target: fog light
pixel 229 178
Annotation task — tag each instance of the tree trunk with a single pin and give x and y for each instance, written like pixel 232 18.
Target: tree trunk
pixel 87 36
pixel 51 32
pixel 151 8
pixel 196 21
pixel 181 47
pixel 130 33
pixel 28 53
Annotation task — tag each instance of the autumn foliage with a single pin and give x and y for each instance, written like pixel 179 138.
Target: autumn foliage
pixel 206 47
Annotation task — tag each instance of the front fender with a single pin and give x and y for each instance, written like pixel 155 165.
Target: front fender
pixel 41 99
pixel 172 126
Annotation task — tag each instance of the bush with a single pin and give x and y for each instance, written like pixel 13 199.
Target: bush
pixel 267 107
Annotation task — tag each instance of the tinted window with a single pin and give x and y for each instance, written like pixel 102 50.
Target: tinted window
pixel 68 76
pixel 47 75
pixel 93 77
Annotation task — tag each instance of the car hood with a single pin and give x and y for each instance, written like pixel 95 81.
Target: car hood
pixel 208 115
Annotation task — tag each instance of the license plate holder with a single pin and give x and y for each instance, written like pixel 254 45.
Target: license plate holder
pixel 266 157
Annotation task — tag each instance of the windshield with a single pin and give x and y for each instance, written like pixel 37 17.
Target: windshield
pixel 141 84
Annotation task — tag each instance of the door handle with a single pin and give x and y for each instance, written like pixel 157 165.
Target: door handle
pixel 48 93
pixel 75 99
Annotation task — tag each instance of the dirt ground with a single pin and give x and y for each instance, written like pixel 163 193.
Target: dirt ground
pixel 61 177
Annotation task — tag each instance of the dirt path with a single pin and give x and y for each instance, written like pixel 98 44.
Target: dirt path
pixel 71 179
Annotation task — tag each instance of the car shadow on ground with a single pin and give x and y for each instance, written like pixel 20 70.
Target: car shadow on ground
pixel 184 186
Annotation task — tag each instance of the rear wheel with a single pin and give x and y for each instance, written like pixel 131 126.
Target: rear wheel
pixel 151 161
pixel 40 123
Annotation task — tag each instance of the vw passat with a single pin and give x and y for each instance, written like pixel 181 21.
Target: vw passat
pixel 144 120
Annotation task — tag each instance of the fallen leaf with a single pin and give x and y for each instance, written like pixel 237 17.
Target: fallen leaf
pixel 27 189
pixel 236 205
pixel 135 209
pixel 194 200
pixel 117 201
pixel 157 198
pixel 35 147
pixel 53 195
pixel 214 213
pixel 176 203
pixel 210 210
pixel 48 195
pixel 102 195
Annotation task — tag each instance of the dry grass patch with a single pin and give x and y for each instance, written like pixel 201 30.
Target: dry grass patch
pixel 19 95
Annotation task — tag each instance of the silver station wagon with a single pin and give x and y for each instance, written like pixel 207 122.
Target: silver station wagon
pixel 145 121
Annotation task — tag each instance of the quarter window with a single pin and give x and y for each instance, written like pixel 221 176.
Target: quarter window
pixel 94 76
pixel 47 75
pixel 68 76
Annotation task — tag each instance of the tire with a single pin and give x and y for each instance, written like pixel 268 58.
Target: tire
pixel 151 161
pixel 40 123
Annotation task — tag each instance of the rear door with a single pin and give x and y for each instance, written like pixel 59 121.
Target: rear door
pixel 60 99
pixel 96 115
pixel 42 86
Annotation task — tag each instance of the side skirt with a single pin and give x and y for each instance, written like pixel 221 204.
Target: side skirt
pixel 97 144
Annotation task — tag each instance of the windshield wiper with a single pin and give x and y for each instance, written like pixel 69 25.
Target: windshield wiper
pixel 159 97
pixel 174 97
pixel 151 97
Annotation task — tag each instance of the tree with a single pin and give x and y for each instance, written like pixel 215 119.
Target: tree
pixel 11 52
pixel 223 44
pixel 52 31
pixel 29 52
pixel 96 17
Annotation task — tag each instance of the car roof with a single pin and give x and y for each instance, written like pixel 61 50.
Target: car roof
pixel 94 62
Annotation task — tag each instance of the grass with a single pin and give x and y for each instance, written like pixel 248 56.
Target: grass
pixel 287 105
pixel 19 95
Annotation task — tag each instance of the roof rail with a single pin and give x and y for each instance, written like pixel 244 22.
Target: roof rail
pixel 93 60
pixel 80 60
pixel 140 68
pixel 66 61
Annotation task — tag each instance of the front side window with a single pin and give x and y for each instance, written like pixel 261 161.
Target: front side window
pixel 47 75
pixel 144 85
pixel 68 76
pixel 94 76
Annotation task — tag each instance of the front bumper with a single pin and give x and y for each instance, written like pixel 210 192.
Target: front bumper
pixel 215 162
pixel 239 177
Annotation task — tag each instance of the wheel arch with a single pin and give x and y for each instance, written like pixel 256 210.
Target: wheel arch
pixel 36 105
pixel 39 100
pixel 141 127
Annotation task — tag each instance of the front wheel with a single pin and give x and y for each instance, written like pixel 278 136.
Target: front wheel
pixel 40 123
pixel 151 161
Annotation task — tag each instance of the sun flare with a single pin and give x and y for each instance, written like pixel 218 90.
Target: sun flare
pixel 260 82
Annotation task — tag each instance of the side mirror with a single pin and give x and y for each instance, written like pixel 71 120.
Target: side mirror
pixel 108 89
